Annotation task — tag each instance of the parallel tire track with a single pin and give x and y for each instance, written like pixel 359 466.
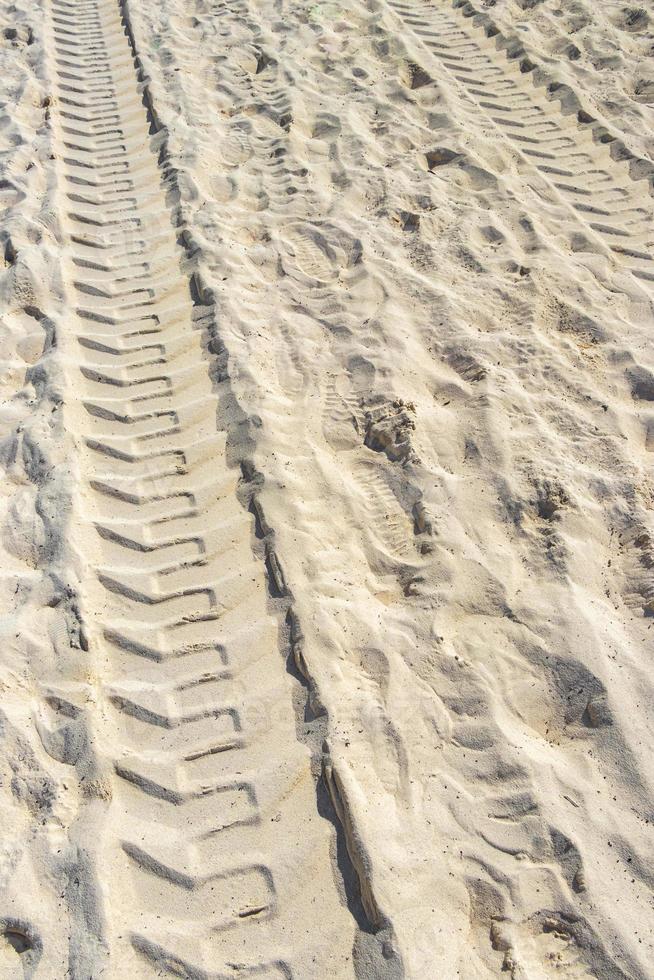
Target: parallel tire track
pixel 209 791
pixel 561 147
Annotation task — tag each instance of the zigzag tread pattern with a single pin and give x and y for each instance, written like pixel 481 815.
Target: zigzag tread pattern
pixel 212 848
pixel 570 154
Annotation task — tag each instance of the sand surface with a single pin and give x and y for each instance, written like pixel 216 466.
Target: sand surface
pixel 327 511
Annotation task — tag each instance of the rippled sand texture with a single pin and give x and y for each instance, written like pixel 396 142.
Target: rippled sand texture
pixel 327 519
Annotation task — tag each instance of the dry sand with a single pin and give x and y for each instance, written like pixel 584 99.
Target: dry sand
pixel 327 513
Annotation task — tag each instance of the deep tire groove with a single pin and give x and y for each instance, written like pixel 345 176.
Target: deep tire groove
pixel 209 790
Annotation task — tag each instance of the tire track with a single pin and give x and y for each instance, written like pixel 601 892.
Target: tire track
pixel 567 151
pixel 211 850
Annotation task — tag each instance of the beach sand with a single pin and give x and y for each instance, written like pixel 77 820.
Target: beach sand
pixel 327 512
